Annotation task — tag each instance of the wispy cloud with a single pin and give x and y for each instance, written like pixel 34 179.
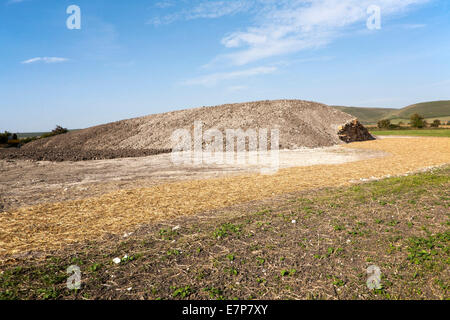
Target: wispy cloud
pixel 202 10
pixel 280 27
pixel 414 26
pixel 45 60
pixel 293 26
pixel 216 9
pixel 213 79
pixel 164 4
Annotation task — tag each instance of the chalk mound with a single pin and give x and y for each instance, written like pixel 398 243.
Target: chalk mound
pixel 300 123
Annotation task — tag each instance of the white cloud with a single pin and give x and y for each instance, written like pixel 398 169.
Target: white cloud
pixel 45 60
pixel 279 27
pixel 203 10
pixel 212 79
pixel 414 26
pixel 164 4
pixel 216 9
pixel 293 26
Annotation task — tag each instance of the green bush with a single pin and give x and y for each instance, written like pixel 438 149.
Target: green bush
pixel 27 140
pixel 57 131
pixel 4 137
pixel 417 121
pixel 385 123
pixel 436 123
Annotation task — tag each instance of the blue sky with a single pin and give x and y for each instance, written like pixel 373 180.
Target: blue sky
pixel 133 58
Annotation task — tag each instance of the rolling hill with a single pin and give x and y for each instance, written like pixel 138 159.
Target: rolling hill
pixel 366 115
pixel 433 109
pixel 429 110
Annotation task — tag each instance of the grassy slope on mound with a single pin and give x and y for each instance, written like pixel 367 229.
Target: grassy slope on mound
pixel 256 251
pixel 418 133
pixel 430 110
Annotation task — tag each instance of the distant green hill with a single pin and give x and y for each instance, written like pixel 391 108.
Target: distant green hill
pixel 433 109
pixel 367 115
pixel 30 134
pixel 429 110
pixel 22 135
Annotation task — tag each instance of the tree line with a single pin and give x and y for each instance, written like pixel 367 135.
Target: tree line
pixel 11 138
pixel 416 121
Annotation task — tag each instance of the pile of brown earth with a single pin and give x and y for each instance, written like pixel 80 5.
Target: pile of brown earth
pixel 301 124
pixel 354 131
pixel 74 154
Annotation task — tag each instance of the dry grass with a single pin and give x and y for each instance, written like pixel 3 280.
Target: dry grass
pixel 52 226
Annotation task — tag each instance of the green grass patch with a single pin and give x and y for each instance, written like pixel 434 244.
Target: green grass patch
pixel 415 133
pixel 226 229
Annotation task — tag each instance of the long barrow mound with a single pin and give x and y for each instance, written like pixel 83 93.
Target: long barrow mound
pixel 301 124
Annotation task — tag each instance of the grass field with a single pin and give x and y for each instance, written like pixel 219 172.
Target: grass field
pixel 419 132
pixel 444 120
pixel 307 245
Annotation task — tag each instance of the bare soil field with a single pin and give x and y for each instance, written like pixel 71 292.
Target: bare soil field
pixel 73 154
pixel 304 245
pixel 24 183
pixel 44 227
